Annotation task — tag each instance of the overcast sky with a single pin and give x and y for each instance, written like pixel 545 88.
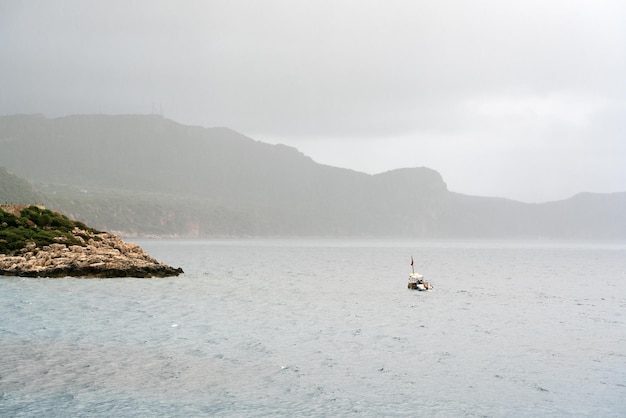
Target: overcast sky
pixel 520 99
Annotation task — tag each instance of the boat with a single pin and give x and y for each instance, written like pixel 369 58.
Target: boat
pixel 416 280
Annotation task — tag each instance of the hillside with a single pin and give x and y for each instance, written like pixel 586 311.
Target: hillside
pixel 14 189
pixel 586 216
pixel 149 175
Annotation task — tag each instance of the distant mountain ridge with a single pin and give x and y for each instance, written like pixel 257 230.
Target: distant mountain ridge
pixel 149 175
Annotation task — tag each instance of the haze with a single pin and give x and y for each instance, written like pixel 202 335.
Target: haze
pixel 519 99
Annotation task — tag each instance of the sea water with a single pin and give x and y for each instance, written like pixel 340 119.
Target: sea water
pixel 258 328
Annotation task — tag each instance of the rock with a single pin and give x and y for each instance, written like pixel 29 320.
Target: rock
pixel 104 255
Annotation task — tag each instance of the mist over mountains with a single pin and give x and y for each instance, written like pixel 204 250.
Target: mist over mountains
pixel 147 175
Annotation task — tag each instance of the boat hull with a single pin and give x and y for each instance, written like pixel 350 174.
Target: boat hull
pixel 420 286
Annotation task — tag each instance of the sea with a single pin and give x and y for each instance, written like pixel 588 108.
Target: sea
pixel 325 328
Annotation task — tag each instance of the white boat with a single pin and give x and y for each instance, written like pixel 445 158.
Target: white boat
pixel 416 280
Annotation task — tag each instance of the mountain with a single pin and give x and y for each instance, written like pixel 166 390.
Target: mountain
pixel 149 175
pixel 587 216
pixel 14 189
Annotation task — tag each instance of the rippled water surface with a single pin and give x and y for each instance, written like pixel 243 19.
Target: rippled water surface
pixel 325 328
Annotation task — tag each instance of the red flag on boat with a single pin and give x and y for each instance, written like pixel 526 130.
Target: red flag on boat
pixel 411 261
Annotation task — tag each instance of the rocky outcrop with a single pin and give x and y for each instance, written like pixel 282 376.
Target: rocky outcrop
pixel 100 255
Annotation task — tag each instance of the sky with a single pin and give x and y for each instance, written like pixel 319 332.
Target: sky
pixel 518 99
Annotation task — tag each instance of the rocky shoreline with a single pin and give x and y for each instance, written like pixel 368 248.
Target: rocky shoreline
pixel 100 255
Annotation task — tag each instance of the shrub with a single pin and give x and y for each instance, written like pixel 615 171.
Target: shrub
pixel 16 232
pixel 44 220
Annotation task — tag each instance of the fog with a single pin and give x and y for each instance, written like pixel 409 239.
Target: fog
pixel 519 99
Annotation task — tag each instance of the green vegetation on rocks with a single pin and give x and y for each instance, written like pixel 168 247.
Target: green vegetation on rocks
pixel 36 242
pixel 40 227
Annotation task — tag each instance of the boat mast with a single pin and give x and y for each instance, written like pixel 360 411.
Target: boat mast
pixel 412 268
